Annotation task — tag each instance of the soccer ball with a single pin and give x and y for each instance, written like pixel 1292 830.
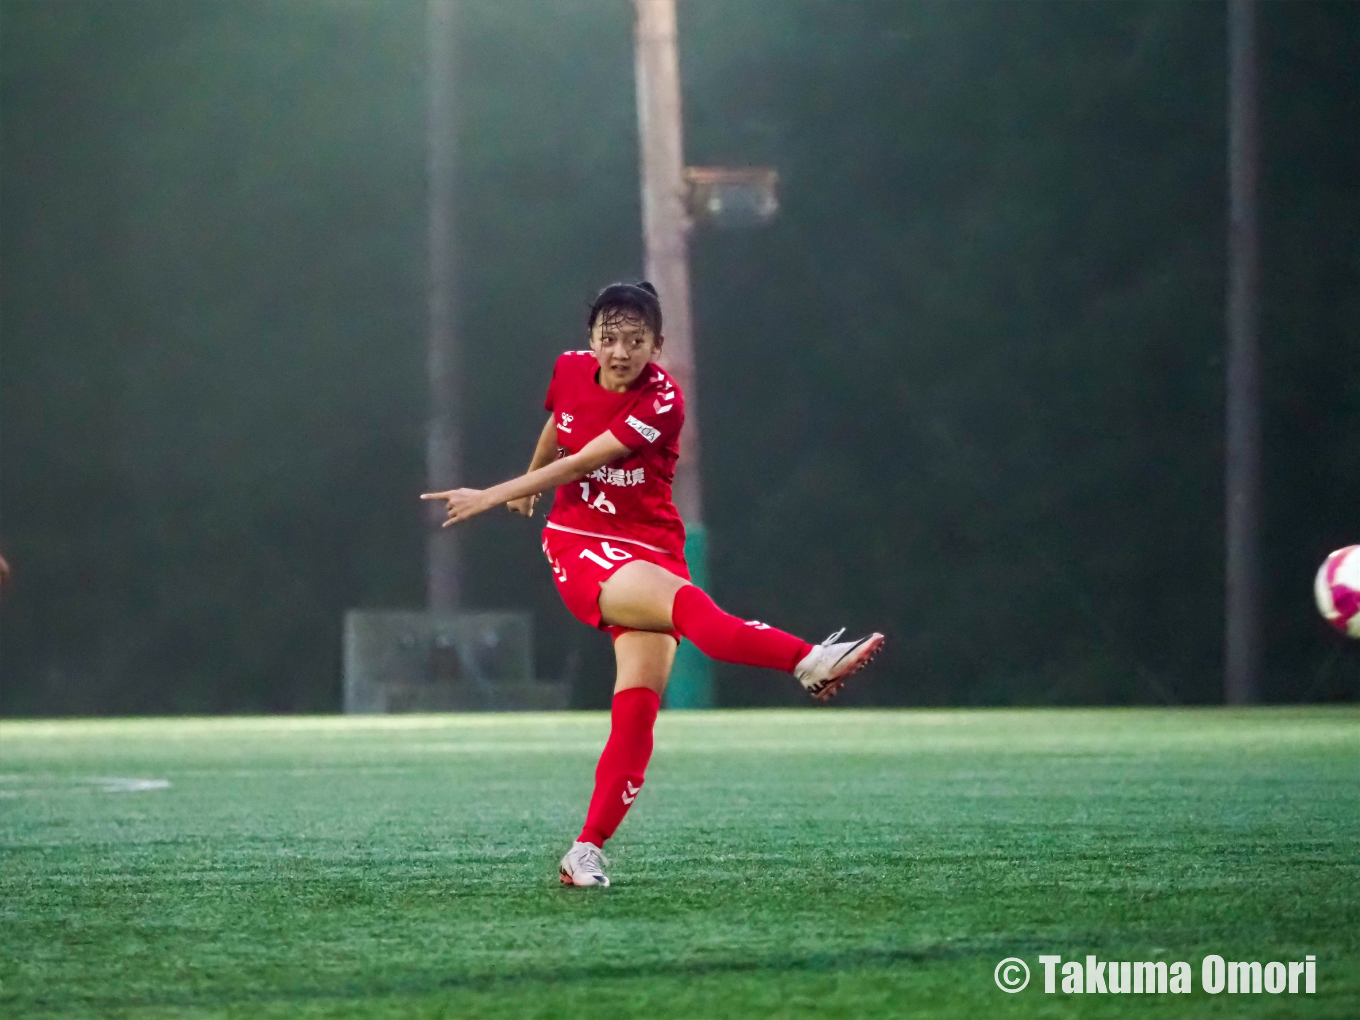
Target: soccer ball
pixel 1337 590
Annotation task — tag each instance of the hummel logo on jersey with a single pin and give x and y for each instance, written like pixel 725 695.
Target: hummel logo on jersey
pixel 566 422
pixel 660 407
pixel 643 429
pixel 630 794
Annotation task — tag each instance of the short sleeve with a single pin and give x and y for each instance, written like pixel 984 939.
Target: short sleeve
pixel 654 421
pixel 549 399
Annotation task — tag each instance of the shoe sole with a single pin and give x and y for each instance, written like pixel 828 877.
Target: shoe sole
pixel 858 659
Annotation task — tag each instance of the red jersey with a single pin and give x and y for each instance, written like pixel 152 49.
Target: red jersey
pixel 630 499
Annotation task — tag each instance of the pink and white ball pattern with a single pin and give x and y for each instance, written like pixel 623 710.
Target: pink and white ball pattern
pixel 1337 589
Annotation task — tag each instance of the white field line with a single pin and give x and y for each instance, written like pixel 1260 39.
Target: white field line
pixel 119 784
pixel 46 784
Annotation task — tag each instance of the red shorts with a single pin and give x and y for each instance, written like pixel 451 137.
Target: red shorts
pixel 581 563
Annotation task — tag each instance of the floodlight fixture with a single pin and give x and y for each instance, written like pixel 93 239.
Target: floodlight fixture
pixel 721 196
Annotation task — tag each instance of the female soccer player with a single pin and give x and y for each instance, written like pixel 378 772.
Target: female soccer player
pixel 616 546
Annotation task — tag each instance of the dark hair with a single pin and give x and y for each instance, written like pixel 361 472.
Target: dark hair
pixel 628 300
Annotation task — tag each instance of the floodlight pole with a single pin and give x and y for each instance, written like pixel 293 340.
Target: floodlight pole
pixel 665 227
pixel 1242 484
pixel 665 222
pixel 443 359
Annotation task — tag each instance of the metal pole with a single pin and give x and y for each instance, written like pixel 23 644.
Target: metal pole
pixel 1242 636
pixel 665 227
pixel 443 449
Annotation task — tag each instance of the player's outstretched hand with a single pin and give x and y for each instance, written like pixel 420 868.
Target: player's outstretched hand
pixel 462 503
pixel 524 505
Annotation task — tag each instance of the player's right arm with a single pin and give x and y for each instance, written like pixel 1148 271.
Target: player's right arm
pixel 464 504
pixel 544 454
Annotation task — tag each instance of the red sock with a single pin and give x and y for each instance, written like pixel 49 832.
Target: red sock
pixel 727 638
pixel 618 777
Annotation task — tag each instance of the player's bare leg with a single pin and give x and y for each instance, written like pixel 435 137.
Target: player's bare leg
pixel 640 595
pixel 644 665
pixel 649 597
pixel 643 659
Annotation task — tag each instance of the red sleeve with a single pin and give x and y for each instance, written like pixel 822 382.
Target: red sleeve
pixel 552 385
pixel 654 421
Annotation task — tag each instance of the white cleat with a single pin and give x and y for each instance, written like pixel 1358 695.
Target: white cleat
pixel 824 670
pixel 583 865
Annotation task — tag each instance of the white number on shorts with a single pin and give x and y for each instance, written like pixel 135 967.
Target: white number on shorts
pixel 613 552
pixel 601 504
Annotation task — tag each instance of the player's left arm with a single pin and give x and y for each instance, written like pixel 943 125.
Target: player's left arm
pixel 466 503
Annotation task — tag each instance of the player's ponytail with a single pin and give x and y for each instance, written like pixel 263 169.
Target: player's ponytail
pixel 631 299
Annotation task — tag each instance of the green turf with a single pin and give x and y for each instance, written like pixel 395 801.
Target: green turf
pixel 778 864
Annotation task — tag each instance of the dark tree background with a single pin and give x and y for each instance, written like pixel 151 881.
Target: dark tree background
pixel 967 389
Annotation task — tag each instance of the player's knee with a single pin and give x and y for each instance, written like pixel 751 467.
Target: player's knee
pixel 643 659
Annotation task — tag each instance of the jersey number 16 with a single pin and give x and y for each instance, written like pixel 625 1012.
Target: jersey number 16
pixel 600 503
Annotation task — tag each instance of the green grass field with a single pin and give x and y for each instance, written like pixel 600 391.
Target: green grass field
pixel 778 864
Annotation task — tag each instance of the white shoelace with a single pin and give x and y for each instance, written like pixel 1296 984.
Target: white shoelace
pixel 833 638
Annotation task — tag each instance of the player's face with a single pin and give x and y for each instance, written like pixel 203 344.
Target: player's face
pixel 623 344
